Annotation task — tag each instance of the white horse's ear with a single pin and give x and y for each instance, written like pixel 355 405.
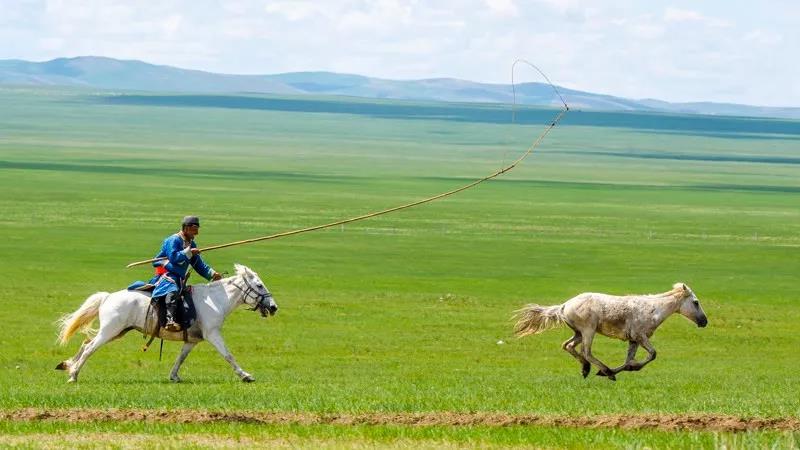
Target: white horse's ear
pixel 239 268
pixel 684 287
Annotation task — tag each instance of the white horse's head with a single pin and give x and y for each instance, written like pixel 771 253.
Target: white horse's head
pixel 690 306
pixel 255 292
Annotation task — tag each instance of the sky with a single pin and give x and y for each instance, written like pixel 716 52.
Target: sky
pixel 714 50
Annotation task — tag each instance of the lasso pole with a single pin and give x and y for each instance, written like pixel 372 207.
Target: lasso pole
pixel 530 150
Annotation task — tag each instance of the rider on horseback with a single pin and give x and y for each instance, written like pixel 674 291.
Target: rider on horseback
pixel 171 273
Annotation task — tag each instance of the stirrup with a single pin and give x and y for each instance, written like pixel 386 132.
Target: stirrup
pixel 172 326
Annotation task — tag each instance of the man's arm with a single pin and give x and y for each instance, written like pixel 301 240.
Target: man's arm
pixel 175 252
pixel 201 267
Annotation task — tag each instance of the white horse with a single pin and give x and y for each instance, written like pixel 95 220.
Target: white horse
pixel 632 318
pixel 122 311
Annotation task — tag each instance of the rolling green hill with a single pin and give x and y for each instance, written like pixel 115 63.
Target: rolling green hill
pixel 109 73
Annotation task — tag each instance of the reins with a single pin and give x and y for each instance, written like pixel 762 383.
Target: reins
pixel 503 170
pixel 259 298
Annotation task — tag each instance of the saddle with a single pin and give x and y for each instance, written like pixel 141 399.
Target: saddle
pixel 185 313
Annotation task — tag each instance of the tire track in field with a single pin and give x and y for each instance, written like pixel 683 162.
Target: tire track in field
pixel 665 422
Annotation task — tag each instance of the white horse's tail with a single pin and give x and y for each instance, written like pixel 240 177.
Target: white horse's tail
pixel 534 319
pixel 82 318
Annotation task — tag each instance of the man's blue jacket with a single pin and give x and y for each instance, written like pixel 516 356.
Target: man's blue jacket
pixel 179 259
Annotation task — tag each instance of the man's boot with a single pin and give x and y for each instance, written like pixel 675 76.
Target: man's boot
pixel 171 303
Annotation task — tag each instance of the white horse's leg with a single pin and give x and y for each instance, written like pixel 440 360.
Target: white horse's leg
pixel 569 347
pixel 187 347
pixel 215 338
pixel 587 353
pixel 651 355
pixel 105 334
pixel 67 363
pixel 632 347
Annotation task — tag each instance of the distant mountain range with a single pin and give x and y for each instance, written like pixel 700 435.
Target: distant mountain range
pixel 109 73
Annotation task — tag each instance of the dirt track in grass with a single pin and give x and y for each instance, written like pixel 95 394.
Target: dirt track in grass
pixel 695 422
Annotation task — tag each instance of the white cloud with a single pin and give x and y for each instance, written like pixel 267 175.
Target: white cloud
pixel 292 10
pixel 763 37
pixel 646 31
pixel 171 24
pixel 51 44
pixel 682 15
pixel 502 7
pixel 685 15
pixel 384 17
pixel 562 6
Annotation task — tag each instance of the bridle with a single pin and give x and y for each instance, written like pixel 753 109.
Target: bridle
pixel 247 292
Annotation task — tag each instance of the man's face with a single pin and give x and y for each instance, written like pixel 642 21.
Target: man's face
pixel 191 231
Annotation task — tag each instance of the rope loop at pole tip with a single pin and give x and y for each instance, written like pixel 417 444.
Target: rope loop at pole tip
pixel 513 86
pixel 503 170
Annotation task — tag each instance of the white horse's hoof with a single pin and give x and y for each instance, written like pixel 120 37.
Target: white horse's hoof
pixel 247 378
pixel 72 380
pixel 175 379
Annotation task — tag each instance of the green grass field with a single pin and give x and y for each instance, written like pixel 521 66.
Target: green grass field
pixel 405 312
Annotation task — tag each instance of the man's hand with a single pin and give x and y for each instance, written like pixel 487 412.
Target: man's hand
pixel 216 276
pixel 195 251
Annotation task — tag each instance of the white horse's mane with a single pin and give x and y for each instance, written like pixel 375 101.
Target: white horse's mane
pixel 242 270
pixel 678 289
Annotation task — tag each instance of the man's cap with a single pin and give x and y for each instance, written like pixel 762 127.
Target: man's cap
pixel 190 220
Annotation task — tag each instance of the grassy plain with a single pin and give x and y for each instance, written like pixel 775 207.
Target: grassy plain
pixel 408 312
